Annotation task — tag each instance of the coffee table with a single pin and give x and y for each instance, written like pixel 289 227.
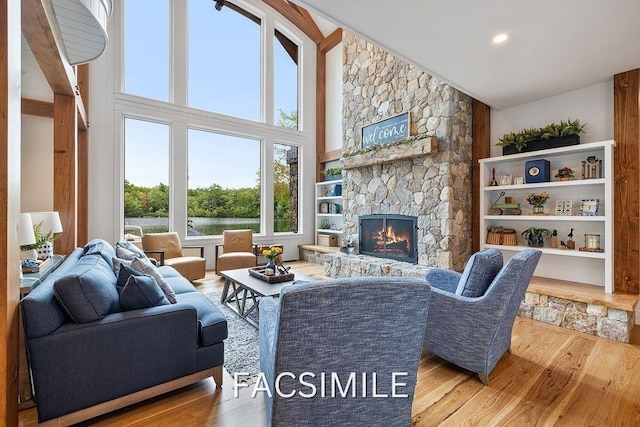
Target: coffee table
pixel 242 291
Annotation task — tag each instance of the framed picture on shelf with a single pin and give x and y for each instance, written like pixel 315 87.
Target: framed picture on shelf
pixel 589 207
pixel 518 180
pixel 506 179
pixel 563 207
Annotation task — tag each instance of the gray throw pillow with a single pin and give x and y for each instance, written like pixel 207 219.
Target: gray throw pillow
pixel 479 272
pixel 118 263
pixel 144 266
pixel 141 292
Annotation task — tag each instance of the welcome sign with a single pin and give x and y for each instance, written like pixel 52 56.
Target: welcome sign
pixel 386 131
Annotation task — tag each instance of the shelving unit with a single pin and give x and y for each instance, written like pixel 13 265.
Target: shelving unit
pixel 331 222
pixel 594 268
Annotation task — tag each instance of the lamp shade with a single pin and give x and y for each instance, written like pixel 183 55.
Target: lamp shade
pixel 25 230
pixel 50 222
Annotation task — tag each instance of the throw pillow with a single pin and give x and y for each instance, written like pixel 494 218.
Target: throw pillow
pixel 123 276
pixel 118 263
pixel 144 266
pixel 141 292
pixel 132 248
pixel 479 272
pixel 100 247
pixel 125 253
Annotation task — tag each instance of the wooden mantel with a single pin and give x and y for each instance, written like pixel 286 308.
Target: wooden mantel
pixel 392 152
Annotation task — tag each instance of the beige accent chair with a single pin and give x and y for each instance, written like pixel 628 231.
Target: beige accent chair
pixel 236 251
pixel 167 250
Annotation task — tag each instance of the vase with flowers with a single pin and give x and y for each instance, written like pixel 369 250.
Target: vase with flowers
pixel 564 174
pixel 537 200
pixel 271 254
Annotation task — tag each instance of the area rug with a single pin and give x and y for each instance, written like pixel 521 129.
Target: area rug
pixel 241 352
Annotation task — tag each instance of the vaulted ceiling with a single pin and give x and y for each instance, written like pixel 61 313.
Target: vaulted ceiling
pixel 553 46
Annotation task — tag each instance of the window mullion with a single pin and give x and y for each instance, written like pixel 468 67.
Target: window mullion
pixel 268 67
pixel 179 51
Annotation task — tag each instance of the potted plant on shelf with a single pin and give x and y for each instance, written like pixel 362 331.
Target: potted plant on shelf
pixel 536 236
pixel 564 174
pixel 332 174
pixel 537 200
pixel 551 136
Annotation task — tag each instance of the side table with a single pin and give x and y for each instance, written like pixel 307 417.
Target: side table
pixel 28 283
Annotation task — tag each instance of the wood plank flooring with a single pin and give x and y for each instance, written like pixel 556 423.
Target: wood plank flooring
pixel 552 377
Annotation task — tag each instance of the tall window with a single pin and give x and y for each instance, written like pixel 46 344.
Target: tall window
pixel 146 48
pixel 224 60
pixel 285 81
pixel 146 176
pixel 224 183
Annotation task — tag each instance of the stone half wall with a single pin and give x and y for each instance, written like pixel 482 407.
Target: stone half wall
pixel 435 187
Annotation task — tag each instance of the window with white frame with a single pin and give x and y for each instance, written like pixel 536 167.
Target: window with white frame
pixel 229 127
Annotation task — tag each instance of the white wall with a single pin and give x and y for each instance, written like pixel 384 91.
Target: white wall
pixel 592 105
pixel 334 99
pixel 36 180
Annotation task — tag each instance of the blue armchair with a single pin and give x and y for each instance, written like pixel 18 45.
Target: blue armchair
pixel 474 332
pixel 342 332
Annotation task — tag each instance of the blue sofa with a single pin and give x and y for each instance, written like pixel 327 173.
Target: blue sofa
pixel 87 367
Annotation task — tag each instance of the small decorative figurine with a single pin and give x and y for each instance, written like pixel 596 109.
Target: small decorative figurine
pixel 554 239
pixel 571 244
pixel 493 182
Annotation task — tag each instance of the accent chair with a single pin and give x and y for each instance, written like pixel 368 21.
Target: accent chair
pixel 166 249
pixel 353 328
pixel 236 251
pixel 474 331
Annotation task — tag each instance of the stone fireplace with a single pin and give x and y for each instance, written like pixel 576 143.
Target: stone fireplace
pixel 389 236
pixel 427 176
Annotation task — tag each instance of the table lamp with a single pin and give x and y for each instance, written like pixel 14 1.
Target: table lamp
pixel 26 237
pixel 50 225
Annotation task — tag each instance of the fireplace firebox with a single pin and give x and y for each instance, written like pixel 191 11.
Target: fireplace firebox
pixel 389 236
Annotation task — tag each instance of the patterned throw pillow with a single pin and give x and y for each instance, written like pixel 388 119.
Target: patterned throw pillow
pixel 118 263
pixel 145 266
pixel 141 292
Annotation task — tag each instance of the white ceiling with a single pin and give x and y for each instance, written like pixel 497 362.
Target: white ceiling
pixel 554 46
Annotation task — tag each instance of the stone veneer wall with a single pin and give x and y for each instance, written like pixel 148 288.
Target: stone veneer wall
pixel 594 319
pixel 436 188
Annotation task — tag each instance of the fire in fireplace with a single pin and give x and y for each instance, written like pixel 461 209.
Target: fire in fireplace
pixel 389 236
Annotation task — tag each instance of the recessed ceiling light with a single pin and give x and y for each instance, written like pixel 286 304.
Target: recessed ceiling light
pixel 500 38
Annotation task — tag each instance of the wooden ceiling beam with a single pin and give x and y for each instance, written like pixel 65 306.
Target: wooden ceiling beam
pixel 48 51
pixel 331 41
pixel 285 9
pixel 33 107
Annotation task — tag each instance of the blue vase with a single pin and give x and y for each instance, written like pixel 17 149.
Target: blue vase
pixel 271 264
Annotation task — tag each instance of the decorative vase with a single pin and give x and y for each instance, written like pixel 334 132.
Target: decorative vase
pixel 565 178
pixel 538 210
pixel 45 250
pixel 271 264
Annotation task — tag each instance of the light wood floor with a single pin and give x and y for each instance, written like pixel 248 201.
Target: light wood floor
pixel 552 377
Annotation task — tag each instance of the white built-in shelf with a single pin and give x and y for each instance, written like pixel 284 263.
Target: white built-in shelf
pixel 571 218
pixel 328 231
pixel 551 251
pixel 552 184
pixel 329 198
pixel 335 219
pixel 331 215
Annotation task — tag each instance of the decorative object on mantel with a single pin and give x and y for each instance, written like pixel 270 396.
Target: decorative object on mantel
pixel 386 131
pixel 564 174
pixel 413 146
pixel 551 136
pixel 332 174
pixel 536 236
pixel 538 200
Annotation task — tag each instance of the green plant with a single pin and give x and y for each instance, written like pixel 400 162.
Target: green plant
pixel 40 238
pixel 536 236
pixel 565 172
pixel 331 171
pixel 538 199
pixel 553 130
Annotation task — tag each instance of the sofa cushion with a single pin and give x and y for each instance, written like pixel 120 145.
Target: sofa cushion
pixel 168 271
pixel 479 272
pixel 100 247
pixel 212 325
pixel 144 266
pixel 88 291
pixel 141 292
pixel 180 285
pixel 123 276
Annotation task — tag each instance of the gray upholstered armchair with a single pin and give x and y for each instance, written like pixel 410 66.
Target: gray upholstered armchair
pixel 471 330
pixel 352 328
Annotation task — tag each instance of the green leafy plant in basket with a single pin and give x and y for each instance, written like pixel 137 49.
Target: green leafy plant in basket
pixel 554 130
pixel 40 238
pixel 536 236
